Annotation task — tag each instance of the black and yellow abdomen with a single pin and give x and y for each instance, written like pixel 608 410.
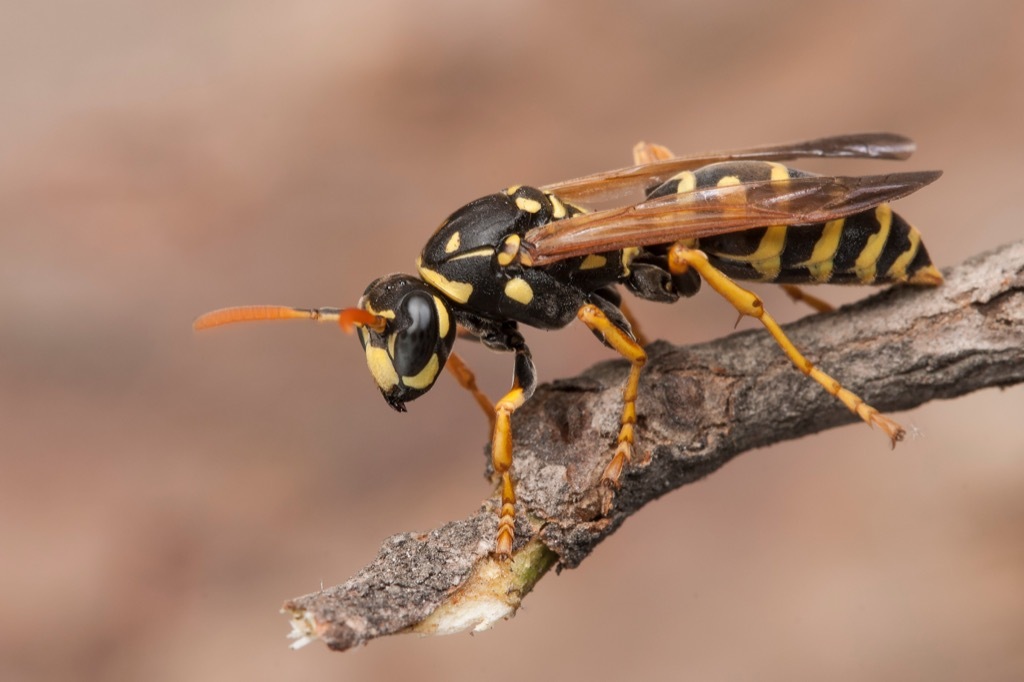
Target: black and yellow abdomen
pixel 876 246
pixel 872 247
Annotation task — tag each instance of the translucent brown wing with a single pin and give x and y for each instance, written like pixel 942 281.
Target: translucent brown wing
pixel 717 210
pixel 626 185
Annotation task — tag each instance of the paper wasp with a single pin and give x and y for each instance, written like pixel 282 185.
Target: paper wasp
pixel 540 257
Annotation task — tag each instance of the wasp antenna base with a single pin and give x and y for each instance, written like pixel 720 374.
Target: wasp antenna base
pixel 349 318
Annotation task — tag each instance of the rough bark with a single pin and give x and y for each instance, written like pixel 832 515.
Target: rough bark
pixel 699 407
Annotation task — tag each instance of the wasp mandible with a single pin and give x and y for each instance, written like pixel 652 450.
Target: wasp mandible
pixel 542 257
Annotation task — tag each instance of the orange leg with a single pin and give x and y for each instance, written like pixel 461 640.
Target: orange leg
pixel 501 460
pixel 597 321
pixel 682 258
pixel 801 296
pixel 523 385
pixel 640 337
pixel 464 375
pixel 648 152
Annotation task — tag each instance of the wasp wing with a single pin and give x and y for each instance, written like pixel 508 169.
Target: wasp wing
pixel 626 185
pixel 717 210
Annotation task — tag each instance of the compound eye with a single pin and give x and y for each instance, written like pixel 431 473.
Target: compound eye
pixel 418 333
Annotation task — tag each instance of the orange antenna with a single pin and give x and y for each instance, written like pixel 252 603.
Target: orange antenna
pixel 347 318
pixel 350 317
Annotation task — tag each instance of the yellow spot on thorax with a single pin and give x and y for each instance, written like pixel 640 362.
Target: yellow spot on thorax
pixel 558 210
pixel 593 261
pixel 453 243
pixel 519 290
pixel 528 205
pixel 509 250
pixel 457 291
pixel 484 251
pixel 628 254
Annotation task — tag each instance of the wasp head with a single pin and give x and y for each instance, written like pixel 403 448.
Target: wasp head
pixel 405 326
pixel 407 346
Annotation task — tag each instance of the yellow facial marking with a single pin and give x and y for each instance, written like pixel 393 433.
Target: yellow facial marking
pixel 868 259
pixel 426 375
pixel 821 260
pixel 593 261
pixel 457 291
pixel 390 314
pixel 453 243
pixel 519 290
pixel 442 317
pixel 528 205
pixel 379 362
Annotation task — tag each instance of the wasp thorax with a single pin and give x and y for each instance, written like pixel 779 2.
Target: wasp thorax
pixel 406 358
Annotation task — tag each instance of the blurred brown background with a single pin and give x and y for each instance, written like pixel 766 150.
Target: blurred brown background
pixel 161 494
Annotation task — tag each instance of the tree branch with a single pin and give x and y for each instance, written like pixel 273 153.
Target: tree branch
pixel 699 407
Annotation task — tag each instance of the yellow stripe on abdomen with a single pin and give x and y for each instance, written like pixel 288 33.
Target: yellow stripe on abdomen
pixel 865 265
pixel 898 269
pixel 821 262
pixel 766 259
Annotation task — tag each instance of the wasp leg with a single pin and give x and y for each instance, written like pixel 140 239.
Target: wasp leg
pixel 648 152
pixel 504 336
pixel 638 334
pixel 617 338
pixel 682 258
pixel 610 301
pixel 464 375
pixel 501 446
pixel 801 296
